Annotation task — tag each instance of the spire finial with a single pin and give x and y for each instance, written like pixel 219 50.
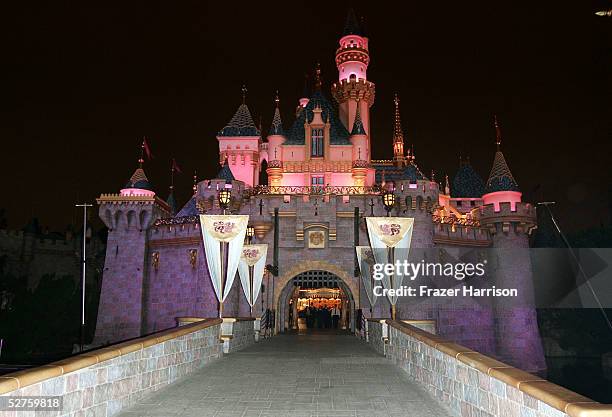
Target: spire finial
pixel 195 181
pixel 318 76
pixel 497 132
pixel 244 93
pixel 398 135
pixel 276 99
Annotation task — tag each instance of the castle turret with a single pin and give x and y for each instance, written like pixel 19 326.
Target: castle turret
pixel 128 216
pixel 239 143
pixel 510 222
pixel 501 185
pixel 353 88
pixel 276 138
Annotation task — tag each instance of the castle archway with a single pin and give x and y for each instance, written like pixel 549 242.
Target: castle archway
pixel 284 285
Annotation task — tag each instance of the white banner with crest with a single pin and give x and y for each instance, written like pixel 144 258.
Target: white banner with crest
pixel 365 259
pixel 217 230
pixel 252 256
pixel 390 239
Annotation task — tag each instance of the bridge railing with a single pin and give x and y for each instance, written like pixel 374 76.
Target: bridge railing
pixel 104 381
pixel 472 384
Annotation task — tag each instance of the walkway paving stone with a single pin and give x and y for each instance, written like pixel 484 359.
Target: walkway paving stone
pixel 299 375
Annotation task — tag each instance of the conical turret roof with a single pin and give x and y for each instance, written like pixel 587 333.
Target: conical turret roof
pixel 358 128
pixel 225 173
pixel 139 180
pixel 500 178
pixel 351 26
pixel 277 124
pixel 241 124
pixel 467 183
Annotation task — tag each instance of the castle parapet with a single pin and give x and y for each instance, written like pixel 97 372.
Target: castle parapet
pixel 506 214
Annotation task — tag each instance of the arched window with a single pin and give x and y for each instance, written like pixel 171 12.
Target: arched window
pixel 316 149
pixel 353 76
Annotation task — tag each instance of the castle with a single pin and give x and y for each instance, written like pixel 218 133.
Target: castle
pixel 321 182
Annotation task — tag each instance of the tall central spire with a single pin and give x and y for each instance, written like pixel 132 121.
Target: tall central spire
pixel 398 136
pixel 318 77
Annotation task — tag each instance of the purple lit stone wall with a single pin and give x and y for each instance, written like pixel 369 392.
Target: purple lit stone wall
pixel 120 308
pixel 178 289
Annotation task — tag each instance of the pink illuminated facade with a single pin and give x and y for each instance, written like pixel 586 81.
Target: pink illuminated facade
pixel 317 173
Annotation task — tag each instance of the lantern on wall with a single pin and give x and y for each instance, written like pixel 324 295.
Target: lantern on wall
pixel 388 199
pixel 225 197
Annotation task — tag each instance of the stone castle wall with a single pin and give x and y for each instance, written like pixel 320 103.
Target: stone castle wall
pixel 32 255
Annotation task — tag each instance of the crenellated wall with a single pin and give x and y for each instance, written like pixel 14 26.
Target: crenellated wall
pixel 32 255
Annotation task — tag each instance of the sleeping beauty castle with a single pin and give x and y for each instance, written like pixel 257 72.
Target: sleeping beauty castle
pixel 307 187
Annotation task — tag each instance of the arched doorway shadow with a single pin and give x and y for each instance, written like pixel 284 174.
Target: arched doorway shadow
pixel 283 287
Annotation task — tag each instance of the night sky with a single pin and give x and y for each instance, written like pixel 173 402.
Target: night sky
pixel 85 83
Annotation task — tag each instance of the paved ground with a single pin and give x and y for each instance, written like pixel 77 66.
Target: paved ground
pixel 309 375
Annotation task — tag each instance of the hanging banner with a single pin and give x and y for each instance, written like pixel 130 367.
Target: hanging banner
pixel 390 239
pixel 251 269
pixel 223 234
pixel 365 259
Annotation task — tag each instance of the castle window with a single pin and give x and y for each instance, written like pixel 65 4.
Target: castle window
pixel 317 182
pixel 316 149
pixel 353 76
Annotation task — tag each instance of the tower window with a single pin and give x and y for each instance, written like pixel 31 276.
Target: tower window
pixel 317 143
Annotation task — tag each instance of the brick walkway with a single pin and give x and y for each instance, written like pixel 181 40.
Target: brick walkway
pixel 311 375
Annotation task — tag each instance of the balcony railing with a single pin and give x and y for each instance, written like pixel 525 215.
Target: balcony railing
pixel 313 190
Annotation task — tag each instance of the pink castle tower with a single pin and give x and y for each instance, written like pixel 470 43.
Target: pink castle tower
pixel 128 216
pixel 353 88
pixel 509 222
pixel 239 144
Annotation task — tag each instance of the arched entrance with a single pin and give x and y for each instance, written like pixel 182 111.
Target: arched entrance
pixel 313 274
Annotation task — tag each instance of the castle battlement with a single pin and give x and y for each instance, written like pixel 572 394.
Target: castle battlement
pixel 521 215
pixel 461 235
pixel 506 209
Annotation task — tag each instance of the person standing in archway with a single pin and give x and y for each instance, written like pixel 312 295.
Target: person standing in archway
pixel 335 316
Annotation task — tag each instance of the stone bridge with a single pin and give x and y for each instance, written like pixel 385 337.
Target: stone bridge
pixel 214 367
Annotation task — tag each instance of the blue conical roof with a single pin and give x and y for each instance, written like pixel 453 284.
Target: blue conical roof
pixel 225 173
pixel 358 128
pixel 277 124
pixel 241 124
pixel 500 178
pixel 139 180
pixel 467 183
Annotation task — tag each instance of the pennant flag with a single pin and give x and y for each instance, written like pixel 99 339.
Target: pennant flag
pixel 251 269
pixel 175 166
pixel 223 237
pixel 146 148
pixel 390 238
pixel 365 259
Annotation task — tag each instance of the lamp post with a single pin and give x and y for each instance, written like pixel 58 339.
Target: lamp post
pixel 83 269
pixel 225 196
pixel 388 199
